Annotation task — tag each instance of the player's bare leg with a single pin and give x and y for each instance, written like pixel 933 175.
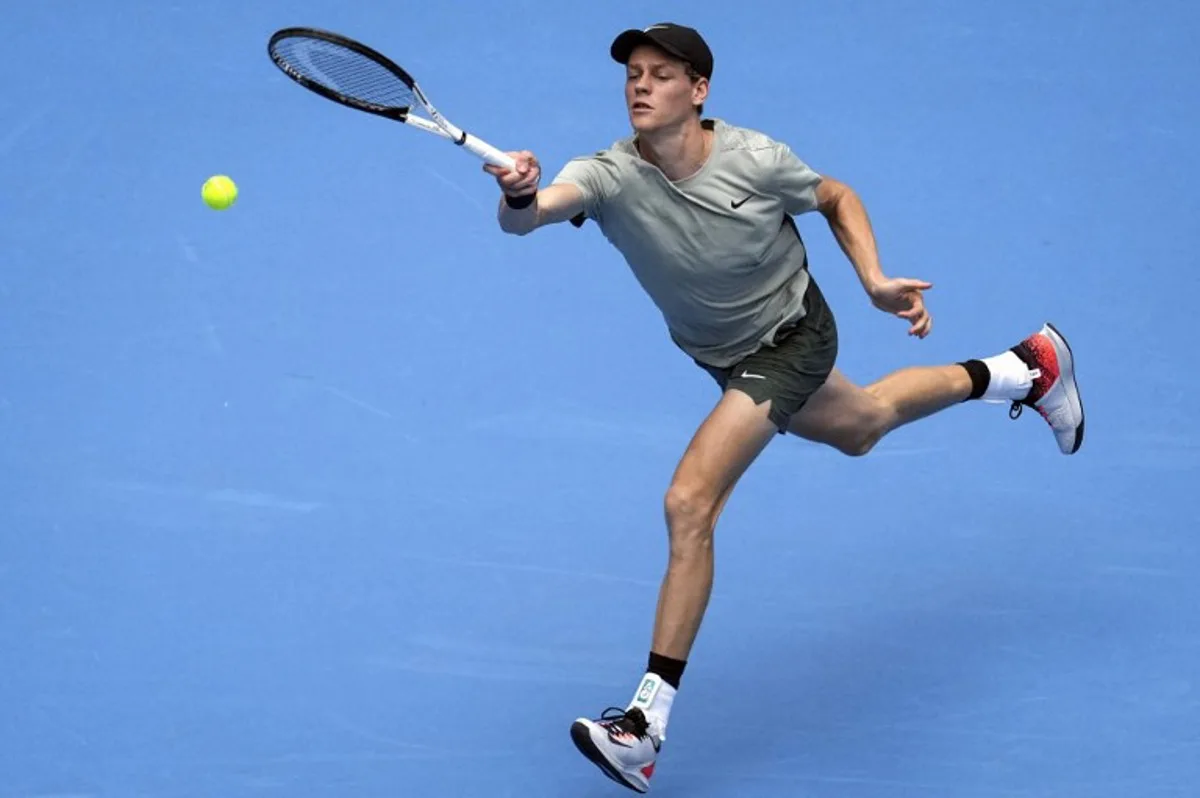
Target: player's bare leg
pixel 1039 372
pixel 853 419
pixel 723 448
pixel 624 744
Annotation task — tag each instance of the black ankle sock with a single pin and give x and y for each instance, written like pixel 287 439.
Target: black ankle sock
pixel 667 669
pixel 980 377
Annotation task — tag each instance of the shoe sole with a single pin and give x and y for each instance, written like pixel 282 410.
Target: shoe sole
pixel 1066 373
pixel 581 735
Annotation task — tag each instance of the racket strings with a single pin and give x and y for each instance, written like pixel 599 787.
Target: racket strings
pixel 345 71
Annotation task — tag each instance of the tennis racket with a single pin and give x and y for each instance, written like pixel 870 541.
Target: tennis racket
pixel 350 73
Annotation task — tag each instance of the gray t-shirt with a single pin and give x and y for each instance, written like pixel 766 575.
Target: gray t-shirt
pixel 717 252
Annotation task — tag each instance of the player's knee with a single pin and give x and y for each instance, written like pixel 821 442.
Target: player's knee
pixel 690 512
pixel 860 437
pixel 859 442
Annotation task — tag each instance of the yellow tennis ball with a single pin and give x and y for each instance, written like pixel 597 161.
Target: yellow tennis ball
pixel 219 192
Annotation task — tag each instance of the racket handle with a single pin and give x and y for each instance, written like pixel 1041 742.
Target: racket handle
pixel 487 152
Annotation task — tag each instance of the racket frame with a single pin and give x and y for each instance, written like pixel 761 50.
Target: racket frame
pixel 440 125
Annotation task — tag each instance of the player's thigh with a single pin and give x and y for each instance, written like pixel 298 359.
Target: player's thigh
pixel 839 414
pixel 785 376
pixel 726 443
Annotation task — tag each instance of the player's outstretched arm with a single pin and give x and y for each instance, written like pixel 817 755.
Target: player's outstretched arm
pixel 550 205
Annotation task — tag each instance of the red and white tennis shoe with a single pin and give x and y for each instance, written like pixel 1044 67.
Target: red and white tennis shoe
pixel 622 744
pixel 1054 393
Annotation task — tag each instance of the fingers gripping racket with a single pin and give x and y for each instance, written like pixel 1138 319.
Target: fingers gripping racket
pixel 350 73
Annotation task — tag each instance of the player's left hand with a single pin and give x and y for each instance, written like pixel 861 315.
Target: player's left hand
pixel 902 296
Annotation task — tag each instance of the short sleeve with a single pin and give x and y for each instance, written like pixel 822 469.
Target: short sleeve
pixel 796 181
pixel 595 176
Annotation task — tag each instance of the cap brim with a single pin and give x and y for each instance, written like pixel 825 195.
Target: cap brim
pixel 626 42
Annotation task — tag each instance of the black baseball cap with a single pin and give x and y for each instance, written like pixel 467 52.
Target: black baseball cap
pixel 680 41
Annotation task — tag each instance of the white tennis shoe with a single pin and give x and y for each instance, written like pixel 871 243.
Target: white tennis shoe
pixel 621 744
pixel 1054 393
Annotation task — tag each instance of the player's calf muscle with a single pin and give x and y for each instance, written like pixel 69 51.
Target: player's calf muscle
pixel 854 420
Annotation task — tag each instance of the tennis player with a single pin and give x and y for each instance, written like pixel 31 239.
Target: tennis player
pixel 702 211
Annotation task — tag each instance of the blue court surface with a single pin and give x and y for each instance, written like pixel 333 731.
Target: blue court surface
pixel 343 492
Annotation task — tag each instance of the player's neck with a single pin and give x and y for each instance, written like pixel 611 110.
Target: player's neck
pixel 680 151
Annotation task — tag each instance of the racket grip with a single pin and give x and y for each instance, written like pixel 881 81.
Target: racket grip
pixel 487 152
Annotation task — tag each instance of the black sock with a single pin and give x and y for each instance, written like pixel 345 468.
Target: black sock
pixel 980 377
pixel 667 669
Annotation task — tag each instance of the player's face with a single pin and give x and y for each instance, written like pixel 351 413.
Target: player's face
pixel 659 92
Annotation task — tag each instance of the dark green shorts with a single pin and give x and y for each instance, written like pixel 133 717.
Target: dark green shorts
pixel 792 369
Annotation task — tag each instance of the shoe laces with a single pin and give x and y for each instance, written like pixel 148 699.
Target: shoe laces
pixel 1014 411
pixel 628 721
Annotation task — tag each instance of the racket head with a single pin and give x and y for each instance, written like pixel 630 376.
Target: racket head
pixel 345 71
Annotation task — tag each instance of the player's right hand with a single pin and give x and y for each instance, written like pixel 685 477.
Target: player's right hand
pixel 522 179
